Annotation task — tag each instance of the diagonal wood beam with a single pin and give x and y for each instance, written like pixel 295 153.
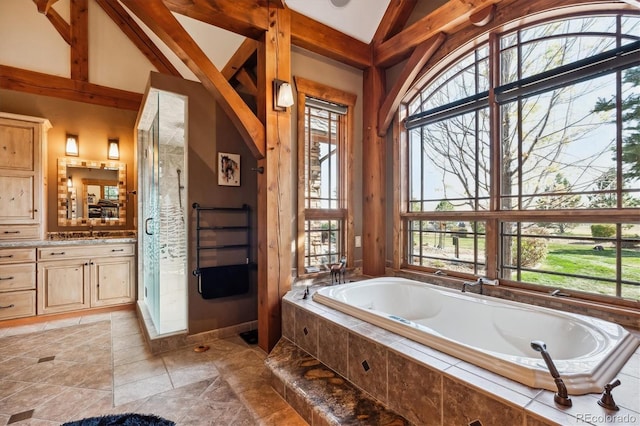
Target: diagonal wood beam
pixel 44 5
pixel 162 22
pixel 394 19
pixel 79 40
pixel 446 18
pixel 59 87
pixel 247 81
pixel 244 17
pixel 246 50
pixel 319 38
pixel 58 22
pixel 132 30
pixel 412 68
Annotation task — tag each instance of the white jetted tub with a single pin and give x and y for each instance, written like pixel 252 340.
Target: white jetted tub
pixel 491 333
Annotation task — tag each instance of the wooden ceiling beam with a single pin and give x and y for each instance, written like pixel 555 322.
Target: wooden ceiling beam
pixel 246 50
pixel 445 19
pixel 250 19
pixel 412 68
pixel 161 21
pixel 635 3
pixel 484 16
pixel 74 90
pixel 244 17
pixel 79 40
pixel 132 30
pixel 319 38
pixel 394 19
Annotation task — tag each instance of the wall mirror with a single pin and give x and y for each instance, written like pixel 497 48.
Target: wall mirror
pixel 91 192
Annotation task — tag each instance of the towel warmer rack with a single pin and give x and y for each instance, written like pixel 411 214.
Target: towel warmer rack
pixel 229 279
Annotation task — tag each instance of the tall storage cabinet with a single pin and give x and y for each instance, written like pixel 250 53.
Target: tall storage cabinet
pixel 22 181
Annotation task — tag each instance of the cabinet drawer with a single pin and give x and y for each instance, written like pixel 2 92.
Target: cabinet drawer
pixel 19 232
pixel 17 255
pixel 17 304
pixel 87 252
pixel 18 277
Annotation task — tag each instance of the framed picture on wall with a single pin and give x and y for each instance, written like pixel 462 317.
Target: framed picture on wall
pixel 228 169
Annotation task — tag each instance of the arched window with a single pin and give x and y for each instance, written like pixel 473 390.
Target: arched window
pixel 524 159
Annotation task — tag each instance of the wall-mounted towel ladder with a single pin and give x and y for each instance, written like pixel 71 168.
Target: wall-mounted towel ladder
pixel 225 233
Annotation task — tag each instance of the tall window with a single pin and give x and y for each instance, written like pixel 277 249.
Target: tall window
pixel 325 215
pixel 545 164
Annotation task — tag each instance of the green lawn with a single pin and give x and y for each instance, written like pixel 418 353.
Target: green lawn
pixel 565 257
pixel 581 259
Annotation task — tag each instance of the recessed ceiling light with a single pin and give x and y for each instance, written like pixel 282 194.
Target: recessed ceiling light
pixel 340 3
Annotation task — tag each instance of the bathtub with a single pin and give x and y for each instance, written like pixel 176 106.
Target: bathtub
pixel 491 333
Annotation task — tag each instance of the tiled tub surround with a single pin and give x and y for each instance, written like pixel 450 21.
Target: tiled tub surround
pixel 320 395
pixel 429 387
pixel 491 333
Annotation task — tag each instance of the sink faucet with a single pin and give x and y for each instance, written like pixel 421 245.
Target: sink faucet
pixel 471 284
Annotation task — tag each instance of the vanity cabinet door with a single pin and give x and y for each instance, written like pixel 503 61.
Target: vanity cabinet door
pixel 112 280
pixel 21 179
pixel 63 286
pixel 18 203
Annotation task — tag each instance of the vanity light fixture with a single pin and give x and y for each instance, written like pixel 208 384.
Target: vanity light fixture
pixel 71 147
pixel 282 95
pixel 113 151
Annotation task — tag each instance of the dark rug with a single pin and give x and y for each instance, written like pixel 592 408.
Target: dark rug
pixel 251 337
pixel 129 419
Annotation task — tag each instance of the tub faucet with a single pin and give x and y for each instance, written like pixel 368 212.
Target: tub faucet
pixel 561 397
pixel 471 284
pixel 559 293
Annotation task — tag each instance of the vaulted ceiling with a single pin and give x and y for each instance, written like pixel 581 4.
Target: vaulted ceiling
pixel 360 33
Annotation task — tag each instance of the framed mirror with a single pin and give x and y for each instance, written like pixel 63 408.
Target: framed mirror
pixel 91 193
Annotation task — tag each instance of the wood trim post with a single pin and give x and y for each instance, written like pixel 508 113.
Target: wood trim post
pixel 373 175
pixel 79 40
pixel 275 195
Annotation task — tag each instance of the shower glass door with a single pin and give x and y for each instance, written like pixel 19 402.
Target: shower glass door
pixel 150 234
pixel 163 246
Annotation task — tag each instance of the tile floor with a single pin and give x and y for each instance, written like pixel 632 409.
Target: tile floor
pixel 63 370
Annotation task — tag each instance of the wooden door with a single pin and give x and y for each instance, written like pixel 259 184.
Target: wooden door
pixel 112 280
pixel 63 286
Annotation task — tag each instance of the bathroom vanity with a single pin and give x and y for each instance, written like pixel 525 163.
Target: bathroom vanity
pixel 53 272
pixel 63 276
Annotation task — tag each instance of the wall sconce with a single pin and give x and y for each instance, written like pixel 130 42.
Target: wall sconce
pixel 282 95
pixel 71 148
pixel 69 182
pixel 113 149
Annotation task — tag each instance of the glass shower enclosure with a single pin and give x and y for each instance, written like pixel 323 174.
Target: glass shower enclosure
pixel 162 220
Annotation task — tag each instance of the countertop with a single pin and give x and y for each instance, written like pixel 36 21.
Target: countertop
pixel 74 238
